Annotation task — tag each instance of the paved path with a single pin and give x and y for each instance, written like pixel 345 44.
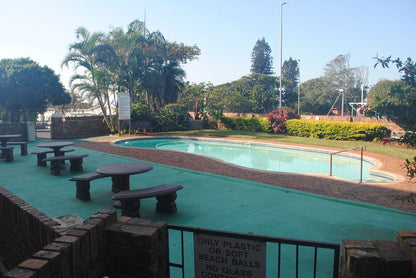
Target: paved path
pixel 383 194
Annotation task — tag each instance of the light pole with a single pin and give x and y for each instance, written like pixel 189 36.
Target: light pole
pixel 280 82
pixel 298 87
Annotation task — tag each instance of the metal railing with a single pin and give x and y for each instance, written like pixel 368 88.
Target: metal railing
pixel 362 148
pixel 268 239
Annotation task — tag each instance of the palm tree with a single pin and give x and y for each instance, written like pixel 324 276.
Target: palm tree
pixel 92 81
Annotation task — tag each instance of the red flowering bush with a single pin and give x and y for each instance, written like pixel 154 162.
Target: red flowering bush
pixel 278 118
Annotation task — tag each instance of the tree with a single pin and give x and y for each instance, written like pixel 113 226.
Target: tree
pixel 194 96
pixel 261 60
pixel 27 88
pixel 290 76
pixel 255 93
pixel 396 98
pixel 137 61
pixel 342 76
pixel 317 96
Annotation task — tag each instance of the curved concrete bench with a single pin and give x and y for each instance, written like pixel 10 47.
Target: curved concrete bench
pixel 164 193
pixel 42 155
pixel 75 159
pixel 83 184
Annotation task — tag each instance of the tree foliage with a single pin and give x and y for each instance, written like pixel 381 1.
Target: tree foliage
pixel 255 93
pixel 396 99
pixel 317 96
pixel 341 76
pixel 136 61
pixel 290 77
pixel 261 60
pixel 194 96
pixel 26 89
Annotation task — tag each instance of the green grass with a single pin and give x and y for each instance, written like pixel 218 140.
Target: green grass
pixel 374 147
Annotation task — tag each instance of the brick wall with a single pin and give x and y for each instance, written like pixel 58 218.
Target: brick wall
pixel 78 127
pixel 23 229
pixel 34 245
pixel 379 258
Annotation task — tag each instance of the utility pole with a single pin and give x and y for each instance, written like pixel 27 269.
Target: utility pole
pixel 280 82
pixel 298 86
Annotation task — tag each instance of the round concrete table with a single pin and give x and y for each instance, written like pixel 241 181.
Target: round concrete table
pixel 120 173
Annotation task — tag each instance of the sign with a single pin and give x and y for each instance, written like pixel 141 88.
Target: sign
pixel 217 256
pixel 123 106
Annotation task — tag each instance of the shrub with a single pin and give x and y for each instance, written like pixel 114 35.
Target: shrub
pixel 141 112
pixel 409 139
pixel 257 124
pixel 277 119
pixel 410 167
pixel 336 130
pixel 173 116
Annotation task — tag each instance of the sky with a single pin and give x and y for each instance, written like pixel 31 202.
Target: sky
pixel 314 31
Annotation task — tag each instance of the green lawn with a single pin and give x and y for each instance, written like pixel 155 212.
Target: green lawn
pixel 375 147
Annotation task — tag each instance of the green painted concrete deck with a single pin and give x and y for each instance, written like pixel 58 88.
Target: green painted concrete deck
pixel 208 201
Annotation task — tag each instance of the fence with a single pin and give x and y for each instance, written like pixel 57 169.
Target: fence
pixel 225 254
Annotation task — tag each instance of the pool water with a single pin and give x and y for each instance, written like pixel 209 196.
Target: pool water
pixel 268 157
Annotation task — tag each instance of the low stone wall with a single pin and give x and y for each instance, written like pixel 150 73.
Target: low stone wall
pixel 23 229
pixel 15 128
pixel 78 127
pixel 249 115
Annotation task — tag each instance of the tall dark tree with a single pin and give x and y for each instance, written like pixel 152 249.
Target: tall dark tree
pixel 290 76
pixel 26 89
pixel 261 60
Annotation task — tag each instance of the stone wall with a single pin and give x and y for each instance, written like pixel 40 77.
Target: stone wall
pixel 78 127
pixel 15 128
pixel 23 229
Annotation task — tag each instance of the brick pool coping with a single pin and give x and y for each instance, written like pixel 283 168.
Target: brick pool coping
pixel 383 194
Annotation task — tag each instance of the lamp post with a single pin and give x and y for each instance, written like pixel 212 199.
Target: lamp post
pixel 298 87
pixel 280 82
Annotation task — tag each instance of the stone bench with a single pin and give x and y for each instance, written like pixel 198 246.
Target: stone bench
pixel 42 155
pixel 23 146
pixel 83 184
pixel 56 163
pixel 164 193
pixel 7 153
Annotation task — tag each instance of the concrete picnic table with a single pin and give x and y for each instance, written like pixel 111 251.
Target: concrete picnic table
pixel 120 173
pixel 56 146
pixel 7 137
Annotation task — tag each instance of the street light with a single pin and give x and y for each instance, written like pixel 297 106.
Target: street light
pixel 280 83
pixel 298 86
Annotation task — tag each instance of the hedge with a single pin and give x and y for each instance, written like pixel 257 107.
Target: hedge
pixel 336 130
pixel 257 124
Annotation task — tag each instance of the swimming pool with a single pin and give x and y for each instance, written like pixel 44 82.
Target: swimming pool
pixel 267 157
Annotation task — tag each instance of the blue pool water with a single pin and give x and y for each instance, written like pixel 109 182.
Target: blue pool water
pixel 267 157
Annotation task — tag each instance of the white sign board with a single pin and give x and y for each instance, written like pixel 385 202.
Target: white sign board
pixel 228 257
pixel 123 106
